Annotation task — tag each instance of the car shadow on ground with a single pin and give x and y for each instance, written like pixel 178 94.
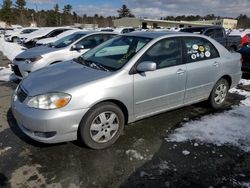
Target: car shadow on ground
pixel 4 180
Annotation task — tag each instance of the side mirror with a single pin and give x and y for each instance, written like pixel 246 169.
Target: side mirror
pixel 78 47
pixel 146 66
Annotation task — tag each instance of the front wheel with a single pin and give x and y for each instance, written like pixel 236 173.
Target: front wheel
pixel 101 126
pixel 219 94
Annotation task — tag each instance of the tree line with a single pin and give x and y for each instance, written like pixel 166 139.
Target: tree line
pixel 243 20
pixel 17 13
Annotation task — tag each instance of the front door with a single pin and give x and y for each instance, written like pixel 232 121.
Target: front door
pixel 163 88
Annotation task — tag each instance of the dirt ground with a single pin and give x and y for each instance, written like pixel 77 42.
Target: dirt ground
pixel 140 158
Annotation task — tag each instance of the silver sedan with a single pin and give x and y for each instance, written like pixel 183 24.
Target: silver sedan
pixel 125 79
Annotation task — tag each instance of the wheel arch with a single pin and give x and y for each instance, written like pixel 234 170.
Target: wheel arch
pixel 120 104
pixel 228 79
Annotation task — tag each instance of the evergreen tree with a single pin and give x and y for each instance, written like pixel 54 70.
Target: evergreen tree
pixel 56 15
pixel 20 5
pixel 124 12
pixel 67 17
pixel 56 8
pixel 6 12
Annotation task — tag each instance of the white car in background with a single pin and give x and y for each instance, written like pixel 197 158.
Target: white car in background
pixel 122 30
pixel 14 35
pixel 175 29
pixel 58 37
pixel 46 32
pixel 67 48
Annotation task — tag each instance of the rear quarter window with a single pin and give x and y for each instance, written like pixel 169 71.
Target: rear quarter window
pixel 199 49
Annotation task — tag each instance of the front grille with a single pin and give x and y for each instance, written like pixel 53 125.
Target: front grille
pixel 21 94
pixel 16 70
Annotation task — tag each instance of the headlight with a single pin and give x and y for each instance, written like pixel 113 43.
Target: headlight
pixel 33 59
pixel 49 101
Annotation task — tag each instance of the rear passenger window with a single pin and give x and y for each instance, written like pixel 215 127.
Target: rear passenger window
pixel 199 49
pixel 165 53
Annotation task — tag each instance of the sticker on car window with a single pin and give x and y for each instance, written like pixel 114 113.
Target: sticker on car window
pixel 202 55
pixel 193 56
pixel 201 49
pixel 207 54
pixel 195 47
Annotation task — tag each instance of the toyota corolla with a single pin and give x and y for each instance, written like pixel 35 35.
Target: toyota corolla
pixel 125 79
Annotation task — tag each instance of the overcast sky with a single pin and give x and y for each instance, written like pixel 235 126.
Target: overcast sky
pixel 151 8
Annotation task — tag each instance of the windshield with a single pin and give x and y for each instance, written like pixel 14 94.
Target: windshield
pixel 66 41
pixel 116 52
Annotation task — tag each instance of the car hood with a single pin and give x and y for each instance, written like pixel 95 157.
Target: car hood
pixel 36 51
pixel 46 40
pixel 60 78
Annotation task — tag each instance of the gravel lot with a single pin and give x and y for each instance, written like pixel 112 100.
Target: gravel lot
pixel 140 158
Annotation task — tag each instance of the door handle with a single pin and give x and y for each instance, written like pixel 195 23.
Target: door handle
pixel 216 64
pixel 180 71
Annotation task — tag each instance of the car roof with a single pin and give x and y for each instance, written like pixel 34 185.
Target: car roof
pixel 202 27
pixel 152 34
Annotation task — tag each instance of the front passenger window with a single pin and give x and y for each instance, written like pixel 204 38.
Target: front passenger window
pixel 165 53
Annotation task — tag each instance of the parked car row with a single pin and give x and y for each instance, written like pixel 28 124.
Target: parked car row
pixel 15 35
pixel 109 80
pixel 66 48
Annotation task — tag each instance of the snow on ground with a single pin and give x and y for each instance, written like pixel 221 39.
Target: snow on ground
pixel 133 154
pixel 244 82
pixel 10 50
pixel 2 151
pixel 5 74
pixel 228 128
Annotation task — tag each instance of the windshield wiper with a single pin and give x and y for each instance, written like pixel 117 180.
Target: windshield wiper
pixel 98 66
pixel 90 64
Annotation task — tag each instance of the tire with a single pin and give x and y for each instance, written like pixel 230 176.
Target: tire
pixel 219 94
pixel 96 129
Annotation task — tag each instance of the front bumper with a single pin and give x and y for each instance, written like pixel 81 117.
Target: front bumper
pixel 21 69
pixel 47 126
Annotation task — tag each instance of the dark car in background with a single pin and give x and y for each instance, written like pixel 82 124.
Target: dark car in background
pixel 245 52
pixel 232 43
pixel 43 33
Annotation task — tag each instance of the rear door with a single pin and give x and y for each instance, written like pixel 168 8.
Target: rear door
pixel 163 88
pixel 203 68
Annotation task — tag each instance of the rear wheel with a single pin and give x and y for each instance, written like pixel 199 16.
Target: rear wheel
pixel 219 94
pixel 101 126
